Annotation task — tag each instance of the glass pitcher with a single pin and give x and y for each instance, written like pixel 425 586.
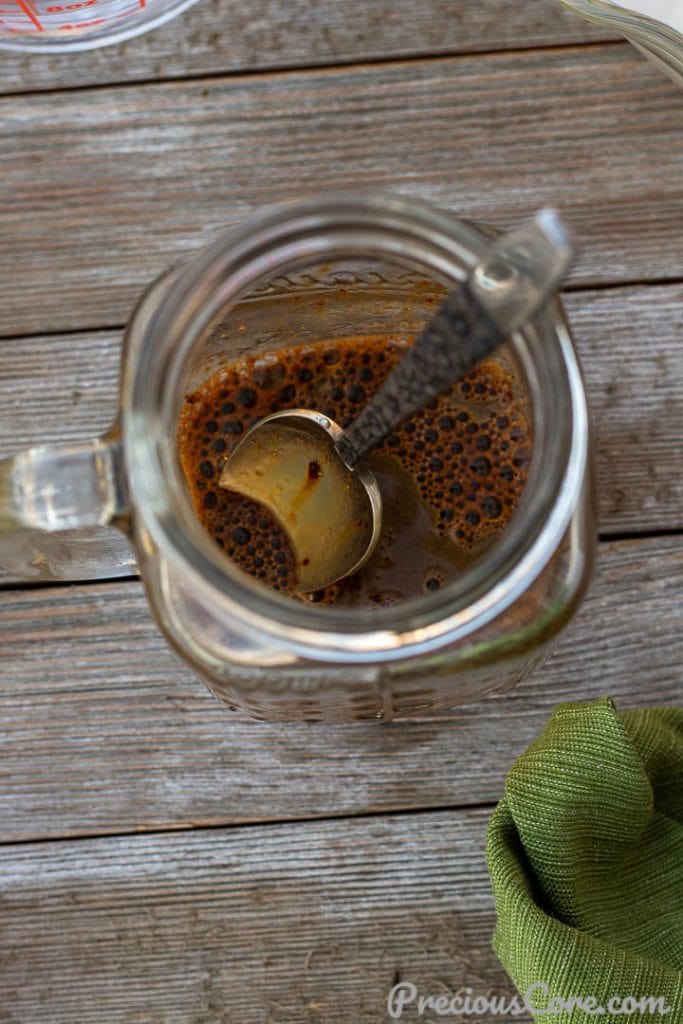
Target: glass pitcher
pixel 655 27
pixel 331 267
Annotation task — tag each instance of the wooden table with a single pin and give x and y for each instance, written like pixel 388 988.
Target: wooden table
pixel 162 861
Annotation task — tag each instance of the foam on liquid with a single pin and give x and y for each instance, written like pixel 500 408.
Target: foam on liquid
pixel 450 477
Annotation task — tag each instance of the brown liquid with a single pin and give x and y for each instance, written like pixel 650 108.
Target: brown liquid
pixel 450 477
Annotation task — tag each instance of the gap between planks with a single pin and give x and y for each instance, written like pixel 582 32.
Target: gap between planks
pixel 348 64
pixel 595 132
pixel 627 341
pixel 265 35
pixel 248 823
pixel 604 538
pixel 300 924
pixel 106 731
pixel 575 288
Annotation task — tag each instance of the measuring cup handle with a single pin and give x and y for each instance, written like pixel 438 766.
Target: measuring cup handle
pixel 63 513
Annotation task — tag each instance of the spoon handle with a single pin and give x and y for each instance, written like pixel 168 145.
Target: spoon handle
pixel 502 293
pixel 460 334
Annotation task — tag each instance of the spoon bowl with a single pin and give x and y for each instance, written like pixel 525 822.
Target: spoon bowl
pixel 332 515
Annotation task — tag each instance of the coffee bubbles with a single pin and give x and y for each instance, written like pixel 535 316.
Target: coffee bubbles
pixel 451 476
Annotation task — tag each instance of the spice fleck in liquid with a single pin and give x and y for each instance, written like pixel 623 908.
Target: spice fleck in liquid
pixel 450 477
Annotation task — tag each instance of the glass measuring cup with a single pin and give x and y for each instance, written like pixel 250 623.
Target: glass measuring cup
pixel 327 268
pixel 46 26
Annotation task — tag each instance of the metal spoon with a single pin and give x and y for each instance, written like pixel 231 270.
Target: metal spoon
pixel 306 470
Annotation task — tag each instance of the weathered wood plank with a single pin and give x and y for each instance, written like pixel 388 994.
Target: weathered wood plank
pixel 630 344
pixel 63 387
pixel 303 923
pixel 218 36
pixel 104 730
pixel 56 388
pixel 104 190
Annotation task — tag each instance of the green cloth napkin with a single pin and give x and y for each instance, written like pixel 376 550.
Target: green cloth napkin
pixel 585 853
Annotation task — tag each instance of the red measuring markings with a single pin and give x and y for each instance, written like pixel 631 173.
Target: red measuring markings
pixel 12 10
pixel 27 8
pixel 56 9
pixel 82 24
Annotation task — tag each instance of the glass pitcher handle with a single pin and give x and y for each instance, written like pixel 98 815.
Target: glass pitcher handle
pixel 64 513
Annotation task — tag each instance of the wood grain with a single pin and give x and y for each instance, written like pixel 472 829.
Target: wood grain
pixel 54 388
pixel 104 730
pixel 104 190
pixel 629 340
pixel 218 36
pixel 297 924
pixel 63 388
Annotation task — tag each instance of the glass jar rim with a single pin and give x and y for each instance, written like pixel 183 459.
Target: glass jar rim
pixel 388 227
